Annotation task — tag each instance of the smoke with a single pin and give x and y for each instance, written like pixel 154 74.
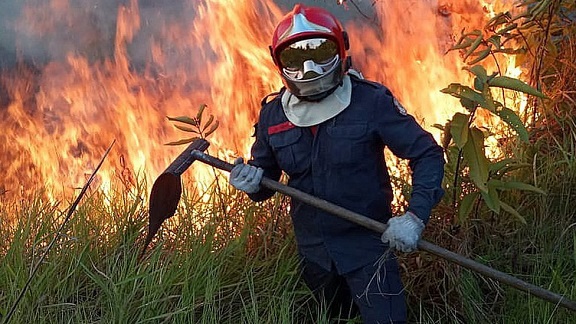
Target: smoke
pixel 8 10
pixel 40 31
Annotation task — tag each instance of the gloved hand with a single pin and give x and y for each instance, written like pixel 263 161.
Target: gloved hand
pixel 245 177
pixel 403 232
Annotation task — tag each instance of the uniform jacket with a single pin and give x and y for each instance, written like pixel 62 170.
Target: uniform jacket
pixel 344 163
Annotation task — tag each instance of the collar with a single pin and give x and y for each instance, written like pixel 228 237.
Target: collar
pixel 304 113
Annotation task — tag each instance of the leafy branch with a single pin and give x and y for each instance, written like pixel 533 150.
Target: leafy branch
pixel 487 176
pixel 199 126
pixel 504 33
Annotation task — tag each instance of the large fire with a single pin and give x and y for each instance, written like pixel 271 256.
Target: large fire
pixel 86 78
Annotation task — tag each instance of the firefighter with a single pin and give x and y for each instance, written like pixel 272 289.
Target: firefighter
pixel 327 129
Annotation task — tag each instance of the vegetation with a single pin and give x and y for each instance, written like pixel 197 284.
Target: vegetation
pixel 207 267
pixel 534 171
pixel 229 260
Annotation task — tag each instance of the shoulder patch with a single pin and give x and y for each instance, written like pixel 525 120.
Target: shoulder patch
pixel 399 107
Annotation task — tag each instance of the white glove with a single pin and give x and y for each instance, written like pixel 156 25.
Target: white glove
pixel 403 232
pixel 245 177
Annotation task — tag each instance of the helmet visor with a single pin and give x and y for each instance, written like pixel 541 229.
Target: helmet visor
pixel 317 55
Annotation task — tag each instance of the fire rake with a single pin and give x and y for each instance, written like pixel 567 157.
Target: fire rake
pixel 167 189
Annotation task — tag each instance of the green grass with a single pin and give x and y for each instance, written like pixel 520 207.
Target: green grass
pixel 209 273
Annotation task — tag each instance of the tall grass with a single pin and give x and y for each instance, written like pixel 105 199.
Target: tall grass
pixel 225 259
pixel 206 267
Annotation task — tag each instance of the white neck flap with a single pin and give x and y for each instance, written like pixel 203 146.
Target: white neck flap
pixel 306 113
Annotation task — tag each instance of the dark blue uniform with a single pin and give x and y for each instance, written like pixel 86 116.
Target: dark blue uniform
pixel 343 163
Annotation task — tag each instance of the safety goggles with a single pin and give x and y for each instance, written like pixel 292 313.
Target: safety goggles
pixel 309 58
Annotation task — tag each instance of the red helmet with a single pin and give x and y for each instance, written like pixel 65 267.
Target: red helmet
pixel 309 48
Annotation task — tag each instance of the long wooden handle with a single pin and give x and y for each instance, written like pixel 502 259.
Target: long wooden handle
pixel 381 227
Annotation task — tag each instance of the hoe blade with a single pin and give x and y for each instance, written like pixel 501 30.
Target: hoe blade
pixel 167 189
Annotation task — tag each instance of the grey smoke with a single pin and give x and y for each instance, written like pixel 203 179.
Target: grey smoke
pixel 89 29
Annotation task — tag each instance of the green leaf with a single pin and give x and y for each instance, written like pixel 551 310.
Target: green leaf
pixel 507 29
pixel 514 84
pixel 466 206
pixel 469 98
pixel 183 119
pixel 481 55
pixel 495 183
pixel 521 15
pixel 480 72
pixel 474 44
pixel 468 104
pixel 497 166
pixel 499 19
pixel 512 51
pixel 513 120
pixel 488 103
pixel 501 168
pixel 479 84
pixel 539 7
pixel 473 152
pixel 481 78
pixel 517 185
pixel 462 43
pixel 512 211
pixel 460 91
pixel 507 165
pixel 459 129
pixel 491 197
pixel 495 40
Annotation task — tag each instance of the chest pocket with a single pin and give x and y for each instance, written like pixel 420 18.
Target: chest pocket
pixel 292 154
pixel 348 143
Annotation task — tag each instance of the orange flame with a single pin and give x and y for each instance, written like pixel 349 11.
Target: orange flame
pixel 62 114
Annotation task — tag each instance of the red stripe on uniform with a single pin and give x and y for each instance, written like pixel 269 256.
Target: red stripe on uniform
pixel 280 128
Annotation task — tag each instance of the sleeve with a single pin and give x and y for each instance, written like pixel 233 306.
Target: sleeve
pixel 263 157
pixel 402 134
